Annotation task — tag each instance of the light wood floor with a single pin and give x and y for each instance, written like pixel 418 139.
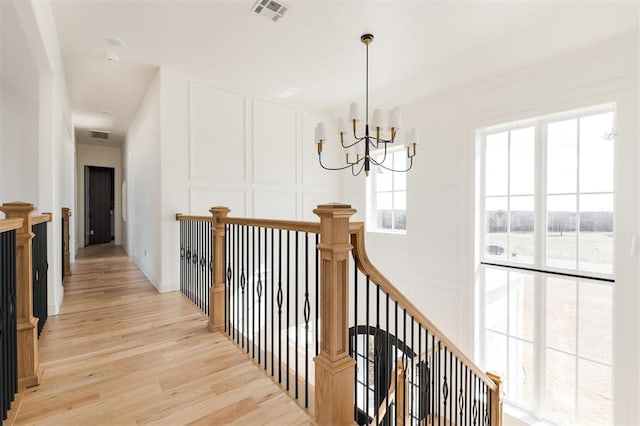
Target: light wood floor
pixel 120 353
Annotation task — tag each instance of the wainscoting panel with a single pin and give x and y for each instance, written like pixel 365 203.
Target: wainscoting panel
pixel 275 205
pixel 202 199
pixel 274 144
pixel 217 143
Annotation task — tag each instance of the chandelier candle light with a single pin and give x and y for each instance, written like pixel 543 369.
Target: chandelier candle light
pixel 355 160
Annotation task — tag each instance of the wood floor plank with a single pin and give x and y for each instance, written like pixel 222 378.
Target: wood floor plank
pixel 120 353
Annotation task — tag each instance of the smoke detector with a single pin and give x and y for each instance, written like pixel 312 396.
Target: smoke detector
pixel 99 134
pixel 271 9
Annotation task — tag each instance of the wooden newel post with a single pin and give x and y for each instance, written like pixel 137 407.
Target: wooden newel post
pixel 217 300
pixel 29 369
pixel 496 400
pixel 66 254
pixel 334 367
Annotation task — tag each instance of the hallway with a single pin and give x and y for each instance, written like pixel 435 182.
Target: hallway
pixel 121 353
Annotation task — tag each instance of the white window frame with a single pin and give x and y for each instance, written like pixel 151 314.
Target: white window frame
pixel 372 210
pixel 539 267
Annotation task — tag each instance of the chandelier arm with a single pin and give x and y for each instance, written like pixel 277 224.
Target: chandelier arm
pixel 358 140
pixel 335 168
pixel 394 170
pixel 353 173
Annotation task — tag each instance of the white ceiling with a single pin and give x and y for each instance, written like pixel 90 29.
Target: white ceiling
pixel 420 47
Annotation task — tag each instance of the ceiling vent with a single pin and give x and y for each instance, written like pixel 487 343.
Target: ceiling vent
pixel 271 9
pixel 99 134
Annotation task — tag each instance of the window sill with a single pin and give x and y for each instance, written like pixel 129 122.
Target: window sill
pixel 386 231
pixel 514 416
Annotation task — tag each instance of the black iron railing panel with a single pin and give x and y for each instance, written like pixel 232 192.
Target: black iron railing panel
pixel 404 373
pixel 40 268
pixel 8 351
pixel 196 261
pixel 271 289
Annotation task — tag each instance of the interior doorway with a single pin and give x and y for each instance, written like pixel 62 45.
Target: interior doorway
pixel 99 202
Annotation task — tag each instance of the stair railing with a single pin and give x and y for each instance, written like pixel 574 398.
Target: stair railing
pixel 428 379
pixel 196 259
pixel 282 290
pixel 8 324
pixel 40 268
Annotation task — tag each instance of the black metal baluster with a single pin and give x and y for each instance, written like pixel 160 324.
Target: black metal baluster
pixel 452 395
pixel 307 315
pixel 432 374
pixel 280 298
pixel 411 414
pixel 366 348
pixel 445 385
pixel 404 370
pixel 377 347
pixel 388 352
pixel 273 328
pixel 226 276
pixel 259 289
pixel 266 300
pixel 395 360
pixel 295 301
pixel 288 304
pixel 475 401
pixel 440 410
pixel 253 293
pixel 317 293
pixel 238 275
pixel 355 336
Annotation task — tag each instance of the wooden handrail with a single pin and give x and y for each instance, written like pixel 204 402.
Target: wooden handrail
pixel 10 224
pixel 44 217
pixel 290 225
pixel 366 267
pixel 180 216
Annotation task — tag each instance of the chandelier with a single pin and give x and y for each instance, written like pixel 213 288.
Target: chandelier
pixel 373 137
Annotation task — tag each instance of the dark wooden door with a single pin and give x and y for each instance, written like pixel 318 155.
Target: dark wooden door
pixel 100 204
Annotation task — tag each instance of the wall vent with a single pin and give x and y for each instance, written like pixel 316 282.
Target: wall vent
pixel 271 9
pixel 99 134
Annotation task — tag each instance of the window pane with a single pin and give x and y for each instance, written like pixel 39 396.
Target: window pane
pixel 495 299
pixel 595 321
pixel 560 386
pixel 496 164
pixel 495 353
pixel 596 233
pixel 561 314
pixel 399 210
pixel 496 228
pixel 561 231
pixel 562 157
pixel 594 393
pixel 522 155
pixel 384 210
pixel 596 153
pixel 522 219
pixel 521 375
pixel 384 179
pixel 521 305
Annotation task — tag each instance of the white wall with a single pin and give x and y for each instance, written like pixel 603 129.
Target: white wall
pixel 19 91
pixel 434 263
pixel 100 156
pixel 142 147
pixel 39 121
